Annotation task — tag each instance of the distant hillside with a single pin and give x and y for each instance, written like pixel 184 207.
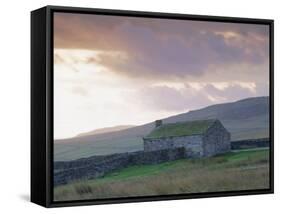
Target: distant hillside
pixel 105 130
pixel 247 118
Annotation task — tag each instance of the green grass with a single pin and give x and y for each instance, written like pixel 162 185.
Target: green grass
pixel 69 151
pixel 141 171
pixel 181 128
pixel 232 171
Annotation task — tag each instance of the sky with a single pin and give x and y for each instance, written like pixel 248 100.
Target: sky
pixel 113 70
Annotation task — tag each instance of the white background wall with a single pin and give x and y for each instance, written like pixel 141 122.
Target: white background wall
pixel 15 105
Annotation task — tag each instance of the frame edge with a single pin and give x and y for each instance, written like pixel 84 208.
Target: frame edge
pixel 38 107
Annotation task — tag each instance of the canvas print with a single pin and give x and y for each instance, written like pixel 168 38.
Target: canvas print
pixel 154 107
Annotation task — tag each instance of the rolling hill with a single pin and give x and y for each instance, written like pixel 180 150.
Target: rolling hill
pixel 245 119
pixel 105 130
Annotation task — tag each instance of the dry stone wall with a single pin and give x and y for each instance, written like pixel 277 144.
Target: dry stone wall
pixel 98 166
pixel 251 143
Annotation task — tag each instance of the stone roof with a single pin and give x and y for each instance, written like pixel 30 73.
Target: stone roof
pixel 196 127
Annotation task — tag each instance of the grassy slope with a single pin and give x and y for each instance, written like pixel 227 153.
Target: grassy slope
pixel 101 147
pixel 233 171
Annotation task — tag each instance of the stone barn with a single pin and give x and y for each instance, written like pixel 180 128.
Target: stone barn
pixel 200 138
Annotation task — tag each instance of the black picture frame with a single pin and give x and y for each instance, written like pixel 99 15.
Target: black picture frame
pixel 42 104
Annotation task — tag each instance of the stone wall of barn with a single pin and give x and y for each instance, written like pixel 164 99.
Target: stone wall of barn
pixel 216 140
pixel 192 144
pixel 158 144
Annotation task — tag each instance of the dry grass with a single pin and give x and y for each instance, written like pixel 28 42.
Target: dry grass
pixel 248 170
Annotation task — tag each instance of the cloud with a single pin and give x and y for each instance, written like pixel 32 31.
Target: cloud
pixel 161 48
pixel 155 68
pixel 262 88
pixel 58 59
pixel 189 97
pixel 84 31
pixel 79 91
pixel 231 92
pixel 163 98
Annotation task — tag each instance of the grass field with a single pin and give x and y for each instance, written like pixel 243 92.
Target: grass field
pixel 240 170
